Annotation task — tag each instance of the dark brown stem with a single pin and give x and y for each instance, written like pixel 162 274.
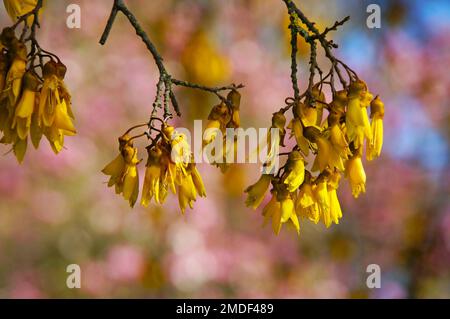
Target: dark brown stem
pixel 164 93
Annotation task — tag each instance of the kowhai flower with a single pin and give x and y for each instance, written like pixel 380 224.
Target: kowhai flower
pixel 356 175
pixel 123 172
pixel 257 191
pixel 376 125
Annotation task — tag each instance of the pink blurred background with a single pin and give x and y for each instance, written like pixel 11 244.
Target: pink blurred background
pixel 57 210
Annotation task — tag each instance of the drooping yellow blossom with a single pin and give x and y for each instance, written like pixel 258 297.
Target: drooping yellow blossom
pixel 13 82
pixel 272 211
pixel 281 209
pixel 319 102
pixel 295 170
pixel 339 103
pixel 218 119
pixel 288 212
pixel 257 191
pixel 273 140
pixel 124 174
pixel 190 186
pixel 337 136
pixel 327 156
pixel 278 122
pixel 55 114
pixel 197 179
pixel 18 8
pixel 306 205
pixel 296 128
pixel 356 175
pixel 357 120
pixel 335 207
pixel 307 114
pixel 377 115
pixel 211 131
pixel 169 166
pixel 49 94
pixel 187 193
pixel 180 149
pixel 26 105
pixel 234 99
pixel 152 178
pixel 321 196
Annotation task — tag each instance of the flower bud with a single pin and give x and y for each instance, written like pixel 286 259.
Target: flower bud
pixel 234 97
pixel 50 68
pixel 377 107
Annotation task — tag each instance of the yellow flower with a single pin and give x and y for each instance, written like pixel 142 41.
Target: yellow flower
pixel 191 185
pixel 167 169
pixel 377 115
pixel 63 91
pixel 49 94
pixel 279 122
pixel 26 105
pixel 357 120
pixel 281 209
pixel 354 171
pixel 335 207
pixel 197 179
pixel 180 152
pixel 326 154
pixel 152 177
pixel 211 131
pixel 295 169
pixel 218 119
pixel 306 113
pixel 340 101
pixel 296 128
pixel 257 191
pixel 272 211
pixel 321 195
pixel 13 83
pixel 234 98
pixel 319 102
pixel 124 173
pixel 17 8
pixel 337 136
pixel 187 193
pixel 288 213
pixel 306 205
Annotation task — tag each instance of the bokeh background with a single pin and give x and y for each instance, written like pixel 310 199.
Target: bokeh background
pixel 57 210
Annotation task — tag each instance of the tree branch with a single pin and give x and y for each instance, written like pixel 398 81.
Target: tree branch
pixel 327 45
pixel 164 93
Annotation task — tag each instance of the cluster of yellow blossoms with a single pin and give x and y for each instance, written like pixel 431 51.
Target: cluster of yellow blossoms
pixel 170 164
pixel 32 104
pixel 337 144
pixel 222 116
pixel 169 168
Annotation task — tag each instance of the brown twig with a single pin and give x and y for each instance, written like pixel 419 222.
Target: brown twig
pixel 164 93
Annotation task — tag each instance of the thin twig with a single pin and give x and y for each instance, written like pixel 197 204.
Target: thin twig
pixel 164 87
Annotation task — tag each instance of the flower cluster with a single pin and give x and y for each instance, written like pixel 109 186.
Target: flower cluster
pixel 336 143
pixel 34 100
pixel 169 168
pixel 222 116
